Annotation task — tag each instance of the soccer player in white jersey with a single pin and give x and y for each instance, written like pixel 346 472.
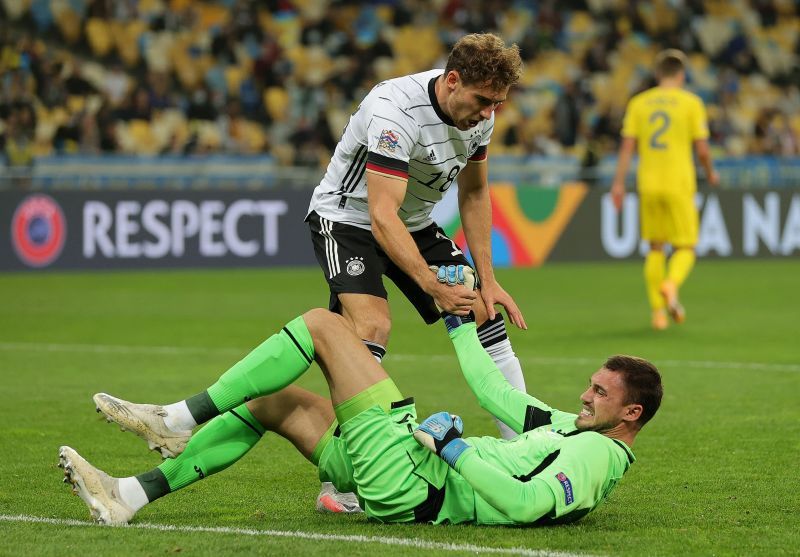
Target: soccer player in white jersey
pixel 406 144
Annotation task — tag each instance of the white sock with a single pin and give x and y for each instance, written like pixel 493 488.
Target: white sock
pixel 132 493
pixel 178 417
pixel 494 340
pixel 503 356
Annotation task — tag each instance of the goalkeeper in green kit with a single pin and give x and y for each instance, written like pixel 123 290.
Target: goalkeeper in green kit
pixel 365 439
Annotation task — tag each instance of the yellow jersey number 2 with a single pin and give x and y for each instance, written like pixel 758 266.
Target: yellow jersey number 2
pixel 661 120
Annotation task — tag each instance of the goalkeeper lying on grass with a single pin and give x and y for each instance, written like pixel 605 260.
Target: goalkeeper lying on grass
pixel 366 439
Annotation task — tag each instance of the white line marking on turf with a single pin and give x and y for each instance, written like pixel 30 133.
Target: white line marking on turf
pixel 534 360
pixel 115 348
pixel 711 364
pixel 383 540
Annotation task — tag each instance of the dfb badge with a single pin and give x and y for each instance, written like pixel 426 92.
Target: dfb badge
pixel 355 266
pixel 474 143
pixel 38 230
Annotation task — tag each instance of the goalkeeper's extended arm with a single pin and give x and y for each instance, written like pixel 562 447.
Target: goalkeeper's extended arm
pixel 495 394
pixel 522 502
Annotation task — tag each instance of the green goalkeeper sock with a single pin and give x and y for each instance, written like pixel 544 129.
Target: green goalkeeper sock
pixel 223 441
pixel 273 365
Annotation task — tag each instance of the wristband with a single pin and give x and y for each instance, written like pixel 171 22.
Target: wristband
pixel 453 450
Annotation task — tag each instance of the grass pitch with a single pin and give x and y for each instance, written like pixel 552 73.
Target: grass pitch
pixel 717 469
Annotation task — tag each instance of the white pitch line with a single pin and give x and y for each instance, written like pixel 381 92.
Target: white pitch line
pixel 534 360
pixel 114 348
pixel 711 364
pixel 382 540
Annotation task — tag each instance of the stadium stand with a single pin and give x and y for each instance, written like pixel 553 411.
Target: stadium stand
pixel 279 78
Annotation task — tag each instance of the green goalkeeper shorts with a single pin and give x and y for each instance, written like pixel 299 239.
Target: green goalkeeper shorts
pixel 395 479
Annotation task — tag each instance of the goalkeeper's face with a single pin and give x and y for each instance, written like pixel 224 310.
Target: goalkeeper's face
pixel 604 403
pixel 469 105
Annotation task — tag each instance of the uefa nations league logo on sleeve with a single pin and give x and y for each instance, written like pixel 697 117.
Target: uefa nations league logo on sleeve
pixel 38 230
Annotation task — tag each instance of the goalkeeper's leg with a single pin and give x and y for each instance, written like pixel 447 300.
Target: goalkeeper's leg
pixel 116 500
pixel 306 419
pixel 273 365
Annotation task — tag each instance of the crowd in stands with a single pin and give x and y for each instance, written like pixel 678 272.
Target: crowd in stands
pixel 280 77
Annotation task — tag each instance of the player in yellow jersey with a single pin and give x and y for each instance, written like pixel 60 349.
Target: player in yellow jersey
pixel 664 123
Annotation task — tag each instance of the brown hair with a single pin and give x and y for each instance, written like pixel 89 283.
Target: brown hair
pixel 642 383
pixel 483 58
pixel 670 62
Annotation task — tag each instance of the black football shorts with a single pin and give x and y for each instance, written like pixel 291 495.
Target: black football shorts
pixel 354 263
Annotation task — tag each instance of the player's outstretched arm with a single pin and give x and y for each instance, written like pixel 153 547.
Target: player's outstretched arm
pixel 492 293
pixel 522 502
pixel 385 197
pixel 475 207
pixel 493 391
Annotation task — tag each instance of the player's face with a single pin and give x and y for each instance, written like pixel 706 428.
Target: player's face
pixel 468 105
pixel 603 402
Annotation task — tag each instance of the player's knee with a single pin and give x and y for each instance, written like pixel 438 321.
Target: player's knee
pixel 374 327
pixel 321 321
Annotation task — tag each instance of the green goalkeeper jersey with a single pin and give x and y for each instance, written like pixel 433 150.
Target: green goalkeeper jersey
pixel 549 473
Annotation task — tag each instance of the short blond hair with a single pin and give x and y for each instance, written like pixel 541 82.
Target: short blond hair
pixel 483 58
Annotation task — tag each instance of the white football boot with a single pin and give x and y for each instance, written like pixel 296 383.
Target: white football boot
pixel 146 421
pixel 331 500
pixel 98 490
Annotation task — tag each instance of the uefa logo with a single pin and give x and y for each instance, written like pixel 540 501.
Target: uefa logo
pixel 38 230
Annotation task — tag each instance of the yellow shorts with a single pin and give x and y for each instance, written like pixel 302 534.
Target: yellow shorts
pixel 669 218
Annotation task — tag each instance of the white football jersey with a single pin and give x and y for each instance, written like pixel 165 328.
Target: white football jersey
pixel 398 130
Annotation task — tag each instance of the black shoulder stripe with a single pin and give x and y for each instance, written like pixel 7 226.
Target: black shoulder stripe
pixel 300 348
pixel 387 162
pixel 357 160
pixel 536 417
pixel 548 460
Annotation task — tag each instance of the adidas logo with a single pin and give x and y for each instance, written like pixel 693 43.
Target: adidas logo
pixel 431 157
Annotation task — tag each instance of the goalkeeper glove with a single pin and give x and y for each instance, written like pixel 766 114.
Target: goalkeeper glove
pixel 441 434
pixel 456 274
pixel 453 275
